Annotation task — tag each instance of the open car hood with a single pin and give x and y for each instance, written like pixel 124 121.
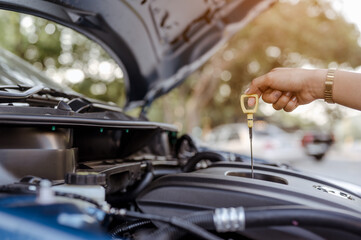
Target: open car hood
pixel 157 43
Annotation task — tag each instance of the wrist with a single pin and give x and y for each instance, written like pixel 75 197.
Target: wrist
pixel 318 83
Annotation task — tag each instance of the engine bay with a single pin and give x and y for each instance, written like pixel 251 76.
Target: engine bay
pixel 142 181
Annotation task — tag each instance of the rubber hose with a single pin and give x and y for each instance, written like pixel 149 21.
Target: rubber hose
pixel 211 156
pixel 274 216
pixel 180 141
pixel 174 221
pixel 303 217
pixel 128 227
pixel 203 219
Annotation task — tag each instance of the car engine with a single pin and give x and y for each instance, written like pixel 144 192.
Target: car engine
pixel 79 170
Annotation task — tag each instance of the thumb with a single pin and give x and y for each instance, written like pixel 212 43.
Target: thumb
pixel 251 101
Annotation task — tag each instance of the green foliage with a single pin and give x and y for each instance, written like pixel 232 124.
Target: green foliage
pixel 65 55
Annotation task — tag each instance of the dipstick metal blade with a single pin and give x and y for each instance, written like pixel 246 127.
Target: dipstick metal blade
pixel 250 142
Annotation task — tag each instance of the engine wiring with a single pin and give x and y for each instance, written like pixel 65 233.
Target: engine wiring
pixel 174 221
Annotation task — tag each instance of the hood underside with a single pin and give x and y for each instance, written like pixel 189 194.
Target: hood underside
pixel 157 43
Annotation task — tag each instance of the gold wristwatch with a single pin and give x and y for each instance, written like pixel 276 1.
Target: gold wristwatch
pixel 330 77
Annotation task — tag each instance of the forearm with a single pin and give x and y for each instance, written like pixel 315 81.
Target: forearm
pixel 347 89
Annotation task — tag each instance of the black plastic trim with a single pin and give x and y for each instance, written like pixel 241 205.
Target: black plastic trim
pixel 78 121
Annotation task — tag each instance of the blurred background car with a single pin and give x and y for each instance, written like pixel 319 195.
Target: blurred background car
pixel 270 142
pixel 317 143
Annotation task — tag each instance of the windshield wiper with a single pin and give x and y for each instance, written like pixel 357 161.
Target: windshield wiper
pixel 26 92
pixel 37 96
pixel 44 96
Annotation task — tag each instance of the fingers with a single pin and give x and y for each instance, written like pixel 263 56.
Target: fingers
pixel 278 100
pixel 291 105
pixel 278 87
pixel 271 95
pixel 259 85
pixel 274 79
pixel 253 90
pixel 251 101
pixel 282 101
pixel 286 102
pixel 262 83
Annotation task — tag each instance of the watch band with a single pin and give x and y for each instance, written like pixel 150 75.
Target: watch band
pixel 330 77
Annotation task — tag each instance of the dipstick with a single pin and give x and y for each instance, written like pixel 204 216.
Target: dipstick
pixel 249 110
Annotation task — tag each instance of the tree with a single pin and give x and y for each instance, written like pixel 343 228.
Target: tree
pixel 64 55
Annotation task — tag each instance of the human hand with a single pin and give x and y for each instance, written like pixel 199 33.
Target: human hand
pixel 286 88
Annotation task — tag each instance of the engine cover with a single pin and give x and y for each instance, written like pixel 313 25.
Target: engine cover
pixel 230 185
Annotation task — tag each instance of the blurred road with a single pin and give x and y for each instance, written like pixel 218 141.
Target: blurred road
pixel 339 163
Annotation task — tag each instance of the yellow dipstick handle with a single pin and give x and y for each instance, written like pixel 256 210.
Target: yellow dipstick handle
pixel 249 111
